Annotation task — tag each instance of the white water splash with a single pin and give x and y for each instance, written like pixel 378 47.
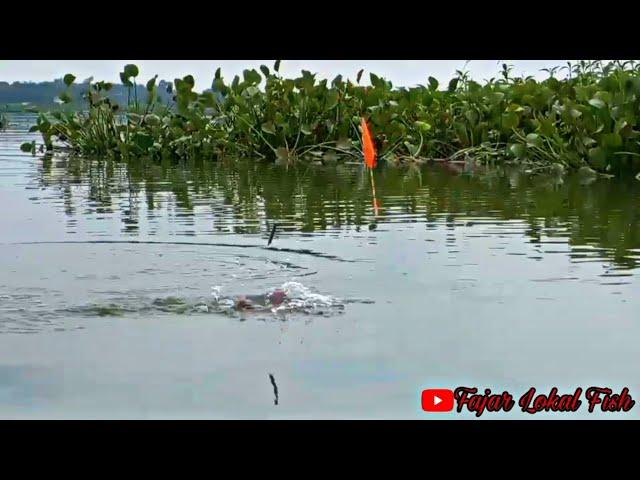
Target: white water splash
pixel 301 296
pixel 215 292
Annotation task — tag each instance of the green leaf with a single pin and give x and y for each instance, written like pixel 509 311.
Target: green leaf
pixel 28 147
pixel 547 126
pixel 376 81
pixel 534 140
pixel 359 76
pixel 611 140
pixel 218 85
pixel 597 103
pixel 433 83
pixel 496 97
pixel 518 150
pixel 44 125
pixel 218 74
pixel 69 79
pixel 598 157
pixel 332 99
pixel 604 96
pixel 264 70
pixel 144 141
pixel 269 127
pixel 131 70
pixel 413 149
pixel 620 126
pixel 189 81
pixel 510 120
pixel 125 80
pixel 306 129
pixel 453 84
pixel 252 77
pixel 152 119
pixel 472 116
pixel 151 83
pixel 276 66
pixel 424 126
pixel 252 91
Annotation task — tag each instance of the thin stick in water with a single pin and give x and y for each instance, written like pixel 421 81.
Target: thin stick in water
pixel 275 388
pixel 273 233
pixel 373 190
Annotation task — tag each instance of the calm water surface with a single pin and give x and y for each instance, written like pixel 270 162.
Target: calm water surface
pixel 110 275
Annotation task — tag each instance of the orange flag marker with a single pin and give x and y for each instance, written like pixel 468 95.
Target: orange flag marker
pixel 368 147
pixel 370 158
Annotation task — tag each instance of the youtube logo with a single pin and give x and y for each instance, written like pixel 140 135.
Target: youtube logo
pixel 437 400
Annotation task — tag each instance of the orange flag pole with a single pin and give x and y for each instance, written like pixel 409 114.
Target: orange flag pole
pixel 373 191
pixel 370 160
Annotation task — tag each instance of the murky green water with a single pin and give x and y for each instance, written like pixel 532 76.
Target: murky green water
pixel 110 276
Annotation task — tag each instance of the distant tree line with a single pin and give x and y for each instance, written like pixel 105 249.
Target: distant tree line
pixel 45 94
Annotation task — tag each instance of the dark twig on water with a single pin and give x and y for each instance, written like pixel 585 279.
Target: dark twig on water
pixel 273 233
pixel 275 388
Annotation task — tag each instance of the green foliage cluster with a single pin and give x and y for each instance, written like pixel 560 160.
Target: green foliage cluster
pixel 588 118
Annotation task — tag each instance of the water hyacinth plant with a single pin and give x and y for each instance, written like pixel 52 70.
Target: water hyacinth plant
pixel 589 119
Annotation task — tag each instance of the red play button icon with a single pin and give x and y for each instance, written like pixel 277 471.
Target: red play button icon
pixel 437 400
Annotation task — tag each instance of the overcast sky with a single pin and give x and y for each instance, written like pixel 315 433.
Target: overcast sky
pixel 400 72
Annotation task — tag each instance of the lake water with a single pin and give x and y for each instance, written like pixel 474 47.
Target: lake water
pixel 494 279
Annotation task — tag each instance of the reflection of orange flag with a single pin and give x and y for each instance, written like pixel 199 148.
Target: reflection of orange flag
pixel 368 147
